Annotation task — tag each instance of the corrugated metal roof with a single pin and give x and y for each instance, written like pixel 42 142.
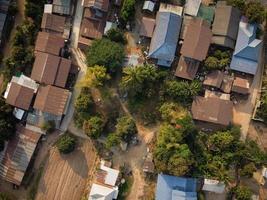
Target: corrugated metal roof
pixel 17 155
pixel 172 187
pixel 62 6
pixel 192 7
pixel 165 37
pixel 247 49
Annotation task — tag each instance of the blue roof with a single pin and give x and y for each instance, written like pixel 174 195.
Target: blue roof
pixel 165 37
pixel 247 49
pixel 176 188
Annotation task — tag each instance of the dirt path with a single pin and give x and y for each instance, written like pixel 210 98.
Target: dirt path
pixel 65 176
pixel 134 157
pixel 18 20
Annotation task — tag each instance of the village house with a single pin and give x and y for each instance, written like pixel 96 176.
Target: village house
pixel 105 185
pixel 147 27
pixel 16 156
pixel 53 23
pixel 225 25
pixel 94 21
pixel 247 50
pixel 174 188
pixel 212 112
pixel 51 104
pixel 165 37
pixel 194 49
pixel 50 69
pixel 49 43
pixel 62 7
pixel 191 7
pixel 19 93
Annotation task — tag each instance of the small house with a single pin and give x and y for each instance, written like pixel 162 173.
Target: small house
pixel 247 49
pixel 174 188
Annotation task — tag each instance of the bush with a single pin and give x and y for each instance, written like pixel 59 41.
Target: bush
pixel 248 170
pixel 49 126
pixel 105 53
pixel 66 144
pixel 126 128
pixel 242 193
pixel 84 102
pixel 116 35
pixel 255 12
pixel 93 127
pixel 127 10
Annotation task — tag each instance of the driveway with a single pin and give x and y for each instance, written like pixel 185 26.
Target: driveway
pixel 68 119
pixel 76 24
pixel 243 110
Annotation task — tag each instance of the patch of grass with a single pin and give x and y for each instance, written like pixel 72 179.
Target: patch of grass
pixel 125 188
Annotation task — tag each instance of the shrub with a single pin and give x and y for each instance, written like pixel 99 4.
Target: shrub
pixel 105 53
pixel 242 193
pixel 66 144
pixel 93 127
pixel 116 35
pixel 127 10
pixel 49 126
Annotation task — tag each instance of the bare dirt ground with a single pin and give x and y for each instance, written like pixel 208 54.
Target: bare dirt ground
pixel 257 131
pixel 65 176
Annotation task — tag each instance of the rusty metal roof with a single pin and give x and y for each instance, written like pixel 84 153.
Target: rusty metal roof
pixel 51 99
pixel 17 155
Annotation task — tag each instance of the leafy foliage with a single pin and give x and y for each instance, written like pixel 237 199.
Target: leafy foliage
pixel 105 53
pixel 242 193
pixel 93 127
pixel 116 35
pixel 171 155
pixel 125 130
pixel 182 91
pixel 66 144
pixel 127 10
pixel 95 77
pixel 83 107
pixel 7 121
pixel 255 12
pixel 49 126
pixel 171 112
pixel 219 60
pixel 141 80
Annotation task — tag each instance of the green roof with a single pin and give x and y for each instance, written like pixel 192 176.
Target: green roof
pixel 206 12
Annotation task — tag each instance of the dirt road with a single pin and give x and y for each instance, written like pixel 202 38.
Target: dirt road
pixel 65 176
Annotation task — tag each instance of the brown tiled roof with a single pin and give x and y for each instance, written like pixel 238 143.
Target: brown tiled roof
pixel 52 22
pixel 99 4
pixel 187 68
pixel 45 68
pixel 20 96
pixel 241 85
pixel 214 110
pixel 197 40
pixel 92 28
pixel 214 79
pixel 49 43
pixel 50 69
pixel 51 99
pixel 147 27
pixel 17 156
pixel 84 43
pixel 63 72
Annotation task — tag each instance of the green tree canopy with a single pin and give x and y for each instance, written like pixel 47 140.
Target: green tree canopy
pixel 242 193
pixel 105 53
pixel 66 144
pixel 255 12
pixel 140 80
pixel 171 155
pixel 126 128
pixel 116 35
pixel 93 127
pixel 182 91
pixel 127 10
pixel 95 77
